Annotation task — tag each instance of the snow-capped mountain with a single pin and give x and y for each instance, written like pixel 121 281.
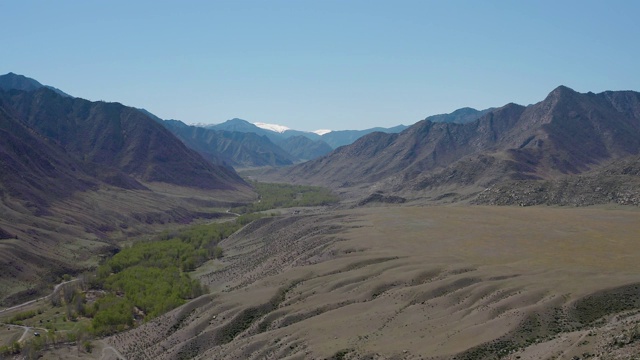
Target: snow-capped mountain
pixel 273 127
pixel 278 133
pixel 322 131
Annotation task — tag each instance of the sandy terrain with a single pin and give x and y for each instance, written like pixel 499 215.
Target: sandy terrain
pixel 409 282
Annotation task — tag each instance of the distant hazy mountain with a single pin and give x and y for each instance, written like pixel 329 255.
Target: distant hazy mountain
pixel 310 135
pixel 297 149
pixel 333 138
pixel 339 138
pixel 567 133
pixel 304 148
pixel 236 148
pixel 460 116
pixel 13 81
pixel 241 126
pixel 273 127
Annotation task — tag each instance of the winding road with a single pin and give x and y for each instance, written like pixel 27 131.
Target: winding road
pixel 55 288
pixel 105 349
pixel 27 328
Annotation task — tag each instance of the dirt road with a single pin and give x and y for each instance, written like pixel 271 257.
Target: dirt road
pixel 55 288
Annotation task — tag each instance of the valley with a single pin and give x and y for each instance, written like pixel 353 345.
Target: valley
pixel 504 233
pixel 320 180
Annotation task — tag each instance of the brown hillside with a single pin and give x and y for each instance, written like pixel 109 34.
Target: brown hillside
pixel 78 176
pixel 566 133
pixel 116 136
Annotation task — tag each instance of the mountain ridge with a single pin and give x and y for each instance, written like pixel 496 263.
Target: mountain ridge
pixel 236 148
pixel 567 133
pixel 76 176
pixel 334 138
pixel 11 81
pixel 114 135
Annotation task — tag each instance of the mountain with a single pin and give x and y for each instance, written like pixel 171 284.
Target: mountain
pixel 116 136
pixel 77 176
pixel 33 169
pixel 244 149
pixel 240 125
pixel 304 148
pixel 13 81
pixel 310 135
pixel 272 127
pixel 295 149
pixel 339 138
pixel 618 182
pixel 460 116
pixel 567 133
pixel 335 139
pixel 152 116
pixel 321 131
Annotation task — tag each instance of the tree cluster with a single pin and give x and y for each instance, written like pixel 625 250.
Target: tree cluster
pixel 274 196
pixel 150 278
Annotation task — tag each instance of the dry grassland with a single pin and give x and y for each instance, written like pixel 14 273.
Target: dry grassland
pixel 408 282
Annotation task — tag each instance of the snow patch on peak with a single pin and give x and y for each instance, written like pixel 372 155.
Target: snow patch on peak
pixel 322 131
pixel 199 124
pixel 272 127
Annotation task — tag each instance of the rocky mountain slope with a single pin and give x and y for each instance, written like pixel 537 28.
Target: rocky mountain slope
pixel 76 175
pixel 618 182
pixel 567 133
pixel 33 169
pixel 115 136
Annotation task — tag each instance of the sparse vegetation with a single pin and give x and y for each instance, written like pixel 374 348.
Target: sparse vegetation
pixel 144 280
pixel 342 354
pixel 137 284
pixel 150 278
pixel 274 196
pixel 18 318
pixel 9 350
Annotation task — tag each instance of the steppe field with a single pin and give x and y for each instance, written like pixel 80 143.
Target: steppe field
pixel 439 282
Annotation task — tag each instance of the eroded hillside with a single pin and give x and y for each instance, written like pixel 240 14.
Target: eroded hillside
pixel 404 282
pixel 566 134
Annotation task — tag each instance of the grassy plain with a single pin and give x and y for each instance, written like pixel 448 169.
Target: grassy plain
pixel 407 282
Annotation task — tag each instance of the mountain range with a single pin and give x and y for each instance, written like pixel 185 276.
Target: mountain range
pixel 77 174
pixel 242 144
pixel 334 139
pixel 236 148
pixel 78 179
pixel 566 134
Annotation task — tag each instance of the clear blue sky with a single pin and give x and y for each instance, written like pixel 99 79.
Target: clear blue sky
pixel 337 64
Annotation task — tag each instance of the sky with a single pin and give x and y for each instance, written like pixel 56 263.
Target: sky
pixel 322 64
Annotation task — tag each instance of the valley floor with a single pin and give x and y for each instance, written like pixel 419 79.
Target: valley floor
pixel 465 282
